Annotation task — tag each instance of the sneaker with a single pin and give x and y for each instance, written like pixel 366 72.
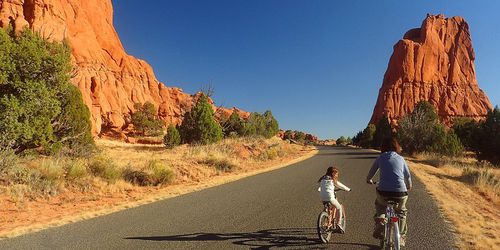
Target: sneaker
pixel 340 230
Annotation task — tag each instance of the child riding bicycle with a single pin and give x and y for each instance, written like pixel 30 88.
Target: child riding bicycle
pixel 328 182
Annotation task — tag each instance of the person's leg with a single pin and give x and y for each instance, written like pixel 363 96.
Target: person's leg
pixel 402 212
pixel 379 217
pixel 339 210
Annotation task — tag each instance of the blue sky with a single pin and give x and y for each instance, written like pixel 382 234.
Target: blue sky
pixel 318 65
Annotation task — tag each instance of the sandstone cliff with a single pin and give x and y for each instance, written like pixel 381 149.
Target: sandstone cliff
pixel 110 80
pixel 434 63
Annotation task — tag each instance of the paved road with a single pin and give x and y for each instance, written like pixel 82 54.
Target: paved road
pixel 277 209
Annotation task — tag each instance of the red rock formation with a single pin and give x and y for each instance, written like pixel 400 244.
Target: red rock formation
pixel 434 63
pixel 110 80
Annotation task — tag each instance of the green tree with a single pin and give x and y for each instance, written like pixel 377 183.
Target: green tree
pixel 445 142
pixel 417 131
pixel 172 138
pixel 73 128
pixel 199 125
pixel 367 137
pixel 288 135
pixel 271 125
pixel 468 131
pixel 341 141
pixel 233 125
pixel 489 146
pixel 145 119
pixel 383 130
pixel 38 105
pixel 299 136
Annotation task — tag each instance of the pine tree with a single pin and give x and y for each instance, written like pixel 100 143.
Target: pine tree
pixel 172 138
pixel 199 125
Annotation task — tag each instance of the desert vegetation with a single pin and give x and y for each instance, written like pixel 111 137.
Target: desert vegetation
pixel 40 110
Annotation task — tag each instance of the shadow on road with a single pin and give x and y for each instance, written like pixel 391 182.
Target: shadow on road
pixel 349 153
pixel 263 239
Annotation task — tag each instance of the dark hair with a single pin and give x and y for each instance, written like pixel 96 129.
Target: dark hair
pixel 330 171
pixel 390 144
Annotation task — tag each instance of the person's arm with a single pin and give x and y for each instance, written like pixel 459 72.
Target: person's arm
pixel 342 186
pixel 407 175
pixel 372 172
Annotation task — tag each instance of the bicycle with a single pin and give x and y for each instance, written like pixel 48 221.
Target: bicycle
pixel 391 239
pixel 327 221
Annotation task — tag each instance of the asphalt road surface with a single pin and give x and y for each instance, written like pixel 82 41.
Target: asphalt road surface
pixel 277 209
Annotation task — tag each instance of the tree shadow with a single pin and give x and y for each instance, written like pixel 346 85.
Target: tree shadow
pixel 262 239
pixel 362 157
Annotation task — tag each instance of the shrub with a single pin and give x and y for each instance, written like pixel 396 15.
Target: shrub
pixel 199 125
pixel 233 125
pixel 419 130
pixel 161 173
pixel 220 164
pixel 299 136
pixel 366 139
pixel 105 168
pixel 489 145
pixel 446 143
pixel 468 131
pixel 145 119
pixel 76 169
pixel 341 141
pixel 36 94
pixel 172 138
pixel 137 177
pixel 8 160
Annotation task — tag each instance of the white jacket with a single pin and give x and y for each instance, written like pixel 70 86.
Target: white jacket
pixel 327 188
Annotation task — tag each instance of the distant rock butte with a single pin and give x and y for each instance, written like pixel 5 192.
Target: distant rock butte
pixel 110 80
pixel 434 63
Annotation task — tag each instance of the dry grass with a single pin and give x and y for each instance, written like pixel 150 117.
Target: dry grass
pixel 468 195
pixel 127 175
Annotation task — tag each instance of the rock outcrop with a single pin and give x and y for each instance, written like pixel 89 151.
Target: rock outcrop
pixel 433 63
pixel 110 80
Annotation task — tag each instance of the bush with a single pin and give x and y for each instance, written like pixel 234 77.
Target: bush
pixel 489 145
pixel 446 143
pixel 172 138
pixel 8 160
pixel 36 96
pixel 76 170
pixel 233 125
pixel 161 173
pixel 137 177
pixel 105 168
pixel 367 135
pixel 220 164
pixel 468 131
pixel 341 141
pixel 145 120
pixel 199 125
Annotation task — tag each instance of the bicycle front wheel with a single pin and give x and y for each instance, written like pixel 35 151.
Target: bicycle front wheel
pixel 324 233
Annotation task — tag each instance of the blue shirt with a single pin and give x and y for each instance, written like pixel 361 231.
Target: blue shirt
pixel 394 173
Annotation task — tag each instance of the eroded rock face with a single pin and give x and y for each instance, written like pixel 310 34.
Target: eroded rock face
pixel 110 80
pixel 433 63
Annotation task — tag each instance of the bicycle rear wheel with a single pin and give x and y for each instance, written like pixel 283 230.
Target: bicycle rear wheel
pixel 324 233
pixel 391 237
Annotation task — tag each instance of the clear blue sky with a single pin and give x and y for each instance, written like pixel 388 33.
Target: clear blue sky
pixel 318 65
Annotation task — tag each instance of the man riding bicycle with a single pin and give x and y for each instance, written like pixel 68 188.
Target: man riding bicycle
pixel 394 184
